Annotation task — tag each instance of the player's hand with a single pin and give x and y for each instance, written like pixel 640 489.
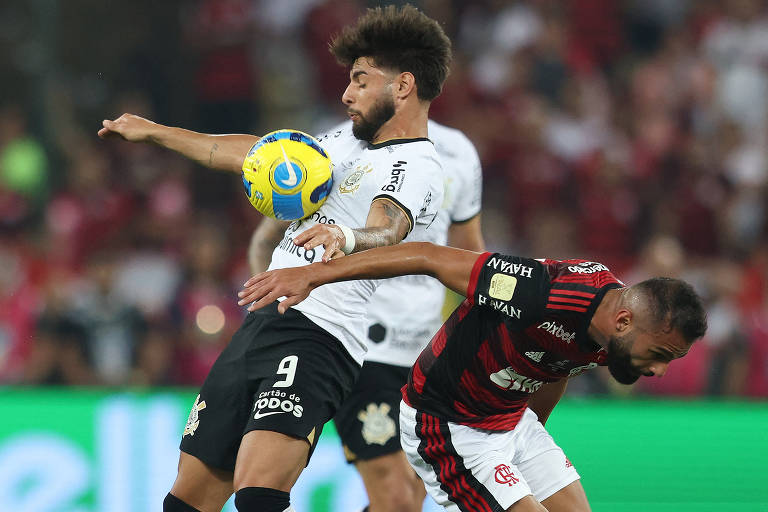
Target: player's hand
pixel 266 287
pixel 130 127
pixel 330 236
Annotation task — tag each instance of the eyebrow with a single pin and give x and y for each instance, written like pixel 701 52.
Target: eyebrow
pixel 356 74
pixel 668 353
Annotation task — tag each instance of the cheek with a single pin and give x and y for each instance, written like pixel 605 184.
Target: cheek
pixel 363 103
pixel 641 361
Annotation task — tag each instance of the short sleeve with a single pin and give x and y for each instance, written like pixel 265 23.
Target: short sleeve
pixel 468 200
pixel 414 184
pixel 515 287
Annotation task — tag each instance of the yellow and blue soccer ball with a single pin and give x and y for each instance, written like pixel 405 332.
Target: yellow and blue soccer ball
pixel 287 175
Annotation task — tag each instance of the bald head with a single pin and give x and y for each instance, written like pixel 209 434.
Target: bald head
pixel 667 304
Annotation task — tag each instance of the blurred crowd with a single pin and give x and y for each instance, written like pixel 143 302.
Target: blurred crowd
pixel 629 132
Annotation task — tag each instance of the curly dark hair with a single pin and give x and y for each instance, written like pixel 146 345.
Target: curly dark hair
pixel 674 303
pixel 403 39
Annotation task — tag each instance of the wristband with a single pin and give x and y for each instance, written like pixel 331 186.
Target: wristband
pixel 349 239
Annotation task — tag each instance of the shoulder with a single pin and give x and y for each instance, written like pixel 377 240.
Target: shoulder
pixel 451 142
pixel 513 287
pixel 582 272
pixel 341 131
pixel 417 153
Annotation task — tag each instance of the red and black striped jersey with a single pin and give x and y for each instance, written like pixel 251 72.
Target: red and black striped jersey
pixel 524 323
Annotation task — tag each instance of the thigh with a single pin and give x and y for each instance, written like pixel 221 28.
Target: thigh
pixel 394 466
pixel 527 504
pixel 391 483
pixel 299 386
pixel 270 459
pixel 367 421
pixel 201 486
pixel 462 468
pixel 542 462
pixel 280 372
pixel 220 412
pixel 570 498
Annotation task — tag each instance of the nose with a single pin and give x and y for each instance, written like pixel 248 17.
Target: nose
pixel 347 98
pixel 659 369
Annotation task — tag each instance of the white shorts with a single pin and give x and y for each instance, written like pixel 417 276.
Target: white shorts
pixel 467 469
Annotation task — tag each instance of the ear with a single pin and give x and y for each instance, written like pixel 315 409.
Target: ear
pixel 623 320
pixel 404 85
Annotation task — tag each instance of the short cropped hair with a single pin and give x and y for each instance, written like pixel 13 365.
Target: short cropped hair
pixel 403 39
pixel 675 305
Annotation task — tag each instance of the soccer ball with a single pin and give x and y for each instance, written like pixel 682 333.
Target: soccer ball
pixel 287 175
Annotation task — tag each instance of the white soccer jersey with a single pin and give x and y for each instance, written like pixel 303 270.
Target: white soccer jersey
pixel 406 171
pixel 397 332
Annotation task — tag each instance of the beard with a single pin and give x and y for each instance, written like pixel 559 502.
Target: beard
pixel 620 361
pixel 366 126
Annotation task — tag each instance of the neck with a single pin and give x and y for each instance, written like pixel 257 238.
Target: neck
pixel 409 122
pixel 602 321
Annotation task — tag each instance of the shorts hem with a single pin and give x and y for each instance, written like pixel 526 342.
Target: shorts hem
pixel 384 452
pixel 208 461
pixel 558 486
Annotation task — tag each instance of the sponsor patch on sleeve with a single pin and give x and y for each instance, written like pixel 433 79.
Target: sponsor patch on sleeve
pixel 502 286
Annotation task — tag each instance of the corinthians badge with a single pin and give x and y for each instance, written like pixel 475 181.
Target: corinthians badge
pixel 352 182
pixel 193 421
pixel 378 427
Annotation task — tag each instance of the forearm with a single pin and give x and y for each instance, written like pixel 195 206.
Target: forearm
pixel 543 401
pixel 452 267
pixel 263 242
pixel 387 224
pixel 467 235
pixel 220 152
pixel 370 238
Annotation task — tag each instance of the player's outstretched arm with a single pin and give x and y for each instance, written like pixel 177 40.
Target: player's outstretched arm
pixel 453 267
pixel 220 152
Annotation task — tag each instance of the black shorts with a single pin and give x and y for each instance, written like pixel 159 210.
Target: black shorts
pixel 368 421
pixel 279 372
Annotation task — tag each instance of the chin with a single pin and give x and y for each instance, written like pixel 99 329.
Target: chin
pixel 623 375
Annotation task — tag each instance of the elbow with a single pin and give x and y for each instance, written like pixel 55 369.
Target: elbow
pixel 422 247
pixel 428 256
pixel 426 250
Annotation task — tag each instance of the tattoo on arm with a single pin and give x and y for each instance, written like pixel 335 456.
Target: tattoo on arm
pixel 387 225
pixel 210 157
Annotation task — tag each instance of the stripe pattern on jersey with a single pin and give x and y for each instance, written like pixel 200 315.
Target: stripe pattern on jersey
pixel 456 481
pixel 570 297
pixel 477 370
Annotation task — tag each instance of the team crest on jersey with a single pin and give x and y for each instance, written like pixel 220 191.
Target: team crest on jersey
pixel 502 286
pixel 193 421
pixel 352 182
pixel 378 427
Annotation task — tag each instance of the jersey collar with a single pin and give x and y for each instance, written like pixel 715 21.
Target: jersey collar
pixel 392 142
pixel 582 338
